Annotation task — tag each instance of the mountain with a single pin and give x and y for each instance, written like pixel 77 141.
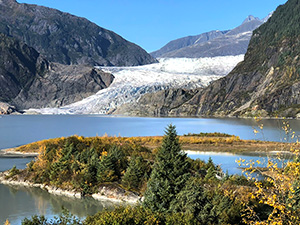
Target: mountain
pixel 28 80
pixel 187 41
pixel 212 44
pixel 67 39
pixel 266 83
pixel 250 18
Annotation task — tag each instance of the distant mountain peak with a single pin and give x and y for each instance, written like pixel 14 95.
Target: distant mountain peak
pixel 250 18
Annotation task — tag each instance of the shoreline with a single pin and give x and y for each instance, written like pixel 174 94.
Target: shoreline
pixel 142 116
pixel 12 153
pixel 106 193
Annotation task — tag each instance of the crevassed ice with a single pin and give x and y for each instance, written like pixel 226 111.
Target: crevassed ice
pixel 131 83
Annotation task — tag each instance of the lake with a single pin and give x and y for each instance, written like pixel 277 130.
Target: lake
pixel 17 203
pixel 22 129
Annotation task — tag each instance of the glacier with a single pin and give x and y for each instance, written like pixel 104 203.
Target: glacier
pixel 131 83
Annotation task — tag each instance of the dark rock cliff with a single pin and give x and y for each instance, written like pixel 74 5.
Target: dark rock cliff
pixel 28 80
pixel 67 39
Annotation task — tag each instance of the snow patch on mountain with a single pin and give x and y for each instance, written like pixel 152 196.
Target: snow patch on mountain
pixel 131 83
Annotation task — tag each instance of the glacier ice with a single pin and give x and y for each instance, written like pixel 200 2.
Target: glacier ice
pixel 131 83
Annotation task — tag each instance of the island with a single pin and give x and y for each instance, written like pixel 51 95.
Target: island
pixel 157 179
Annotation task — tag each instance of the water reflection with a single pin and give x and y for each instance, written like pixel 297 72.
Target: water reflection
pixel 21 202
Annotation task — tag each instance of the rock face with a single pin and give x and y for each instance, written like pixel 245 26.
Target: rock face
pixel 6 108
pixel 19 65
pixel 28 80
pixel 63 85
pixel 266 83
pixel 67 39
pixel 212 44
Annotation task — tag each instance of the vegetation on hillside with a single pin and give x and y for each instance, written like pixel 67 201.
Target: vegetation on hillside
pixel 279 37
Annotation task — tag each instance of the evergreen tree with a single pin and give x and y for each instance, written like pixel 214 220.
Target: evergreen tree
pixel 210 164
pixel 169 175
pixel 210 175
pixel 106 169
pixel 111 165
pixel 135 173
pixel 92 168
pixel 192 200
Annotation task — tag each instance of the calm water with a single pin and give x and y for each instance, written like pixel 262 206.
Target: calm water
pixel 17 203
pixel 19 130
pixel 7 163
pixel 227 161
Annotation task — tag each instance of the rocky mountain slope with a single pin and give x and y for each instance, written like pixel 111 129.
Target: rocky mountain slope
pixel 214 43
pixel 266 83
pixel 29 80
pixel 67 39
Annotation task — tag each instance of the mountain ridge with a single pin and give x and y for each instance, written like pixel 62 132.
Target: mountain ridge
pixel 68 39
pixel 229 42
pixel 187 41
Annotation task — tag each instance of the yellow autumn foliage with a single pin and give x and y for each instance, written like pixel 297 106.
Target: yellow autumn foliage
pixel 277 189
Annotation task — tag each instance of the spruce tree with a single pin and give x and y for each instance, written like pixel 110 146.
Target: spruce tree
pixel 135 173
pixel 210 175
pixel 191 199
pixel 169 175
pixel 111 165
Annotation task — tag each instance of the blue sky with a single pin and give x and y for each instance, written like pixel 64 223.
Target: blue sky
pixel 153 23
